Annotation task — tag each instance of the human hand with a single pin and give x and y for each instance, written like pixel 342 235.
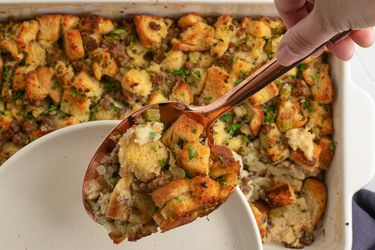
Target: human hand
pixel 312 23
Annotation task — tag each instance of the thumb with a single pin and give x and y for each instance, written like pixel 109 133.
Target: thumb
pixel 301 39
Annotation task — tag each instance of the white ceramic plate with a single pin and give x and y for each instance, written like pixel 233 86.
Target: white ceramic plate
pixel 41 207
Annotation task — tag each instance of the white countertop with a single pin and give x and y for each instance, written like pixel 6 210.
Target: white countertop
pixel 363 74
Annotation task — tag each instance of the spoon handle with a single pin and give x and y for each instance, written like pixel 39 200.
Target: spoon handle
pixel 256 81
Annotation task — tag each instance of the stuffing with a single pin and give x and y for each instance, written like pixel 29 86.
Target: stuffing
pixel 136 51
pixel 45 75
pixel 151 30
pixel 104 64
pixel 289 115
pixel 65 122
pixel 87 85
pixel 49 27
pixel 272 145
pixel 64 72
pixel 224 29
pixel 181 92
pixel 73 44
pixel 220 134
pixel 19 77
pixel 216 84
pixel 299 157
pixel 174 60
pixel 189 20
pixel 156 97
pixel 96 24
pixel 281 195
pixel 194 158
pixel 69 22
pixel 76 104
pixel 11 47
pixel 303 139
pixel 256 28
pixel 256 117
pixel 264 95
pixel 241 67
pixel 27 33
pixel 260 214
pixel 36 55
pixel 5 122
pixel 199 80
pixel 320 119
pixel 137 82
pixel 35 90
pixel 326 155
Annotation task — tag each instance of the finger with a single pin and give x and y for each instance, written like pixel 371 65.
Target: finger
pixel 291 11
pixel 301 39
pixel 363 37
pixel 343 49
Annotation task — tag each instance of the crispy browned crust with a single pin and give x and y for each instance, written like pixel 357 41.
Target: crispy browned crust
pixel 298 157
pixel 281 195
pixel 174 188
pixel 50 27
pixel 181 92
pixel 73 44
pixel 326 155
pixel 35 90
pixel 216 84
pixel 151 30
pixel 264 95
pixel 315 193
pixel 261 217
pixel 257 118
pixel 97 24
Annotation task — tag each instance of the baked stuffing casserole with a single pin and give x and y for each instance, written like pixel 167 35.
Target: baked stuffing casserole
pixel 159 177
pixel 60 70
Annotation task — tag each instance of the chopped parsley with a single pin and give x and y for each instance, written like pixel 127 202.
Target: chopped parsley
pixel 154 210
pixel 301 67
pixel 239 80
pixel 154 148
pixel 187 174
pixel 19 93
pixel 192 152
pixel 152 135
pixel 204 184
pixel 232 128
pixel 162 163
pixel 223 160
pixel 5 72
pixel 110 84
pixel 181 72
pixel 243 71
pixel 195 130
pixel 306 105
pixel 75 93
pixel 227 118
pixel 269 114
pixel 118 32
pixel 332 146
pixel 55 85
pixel 33 138
pixel 196 75
pixel 178 199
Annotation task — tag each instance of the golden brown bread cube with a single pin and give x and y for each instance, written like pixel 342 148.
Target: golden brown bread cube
pixel 87 85
pixel 50 27
pixel 27 33
pixel 315 194
pixel 271 144
pixel 298 157
pixel 289 115
pixel 36 55
pixel 65 122
pixel 205 189
pixel 19 77
pixel 69 22
pixel 194 158
pixel 321 119
pixel 76 104
pixel 173 189
pixel 45 76
pixel 156 97
pixel 5 122
pixel 183 129
pixel 96 24
pixel 181 92
pixel 264 95
pixel 326 155
pixel 216 84
pixel 137 82
pixel 35 90
pixel 73 44
pixel 281 195
pixel 11 47
pixel 260 214
pixel 189 20
pixel 256 117
pixel 65 73
pixel 117 207
pixel 104 63
pixel 151 30
pixel 224 29
pixel 256 28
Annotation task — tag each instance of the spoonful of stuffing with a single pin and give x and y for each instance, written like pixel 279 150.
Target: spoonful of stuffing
pixel 160 168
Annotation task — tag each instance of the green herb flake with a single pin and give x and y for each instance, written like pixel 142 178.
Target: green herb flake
pixel 204 184
pixel 155 148
pixel 110 84
pixel 306 105
pixel 301 67
pixel 223 159
pixel 195 130
pixel 332 146
pixel 154 210
pixel 232 128
pixel 118 32
pixel 178 199
pixel 239 80
pixel 162 163
pixel 192 152
pixel 227 118
pixel 75 94
pixel 243 71
pixel 18 95
pixel 5 72
pixel 181 72
pixel 152 135
pixel 55 85
pixel 33 138
pixel 269 115
pixel 196 75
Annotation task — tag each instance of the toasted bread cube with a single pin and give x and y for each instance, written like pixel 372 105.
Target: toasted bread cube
pixel 221 136
pixel 189 20
pixel 118 207
pixel 271 143
pixel 35 90
pixel 222 36
pixel 223 164
pixel 137 82
pixel 256 28
pixel 205 190
pixel 104 64
pixel 194 38
pixel 239 67
pixel 216 84
pixel 321 119
pixel 260 214
pixel 73 45
pixel 156 97
pixel 299 158
pixel 151 30
pixel 317 76
pixel 289 115
pixel 11 47
pixel 84 83
pixel 45 76
pixel 5 121
pixel 173 60
pixel 264 95
pixel 65 122
pixel 194 158
pixel 181 92
pixel 198 85
pixel 164 194
pixel 75 104
pixel 281 195
pixel 36 55
pixel 50 27
pixel 27 33
pixel 315 194
pixel 96 24
pixel 256 117
pixel 65 73
pixel 144 161
pixel 326 156
pixel 69 22
pixel 303 139
pixel 183 129
pixel 19 77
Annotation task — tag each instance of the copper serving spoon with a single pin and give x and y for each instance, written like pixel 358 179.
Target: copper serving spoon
pixel 205 115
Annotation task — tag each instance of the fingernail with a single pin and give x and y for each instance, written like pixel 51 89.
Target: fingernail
pixel 285 56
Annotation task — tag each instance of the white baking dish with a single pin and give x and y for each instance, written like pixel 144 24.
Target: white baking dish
pixel 354 120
